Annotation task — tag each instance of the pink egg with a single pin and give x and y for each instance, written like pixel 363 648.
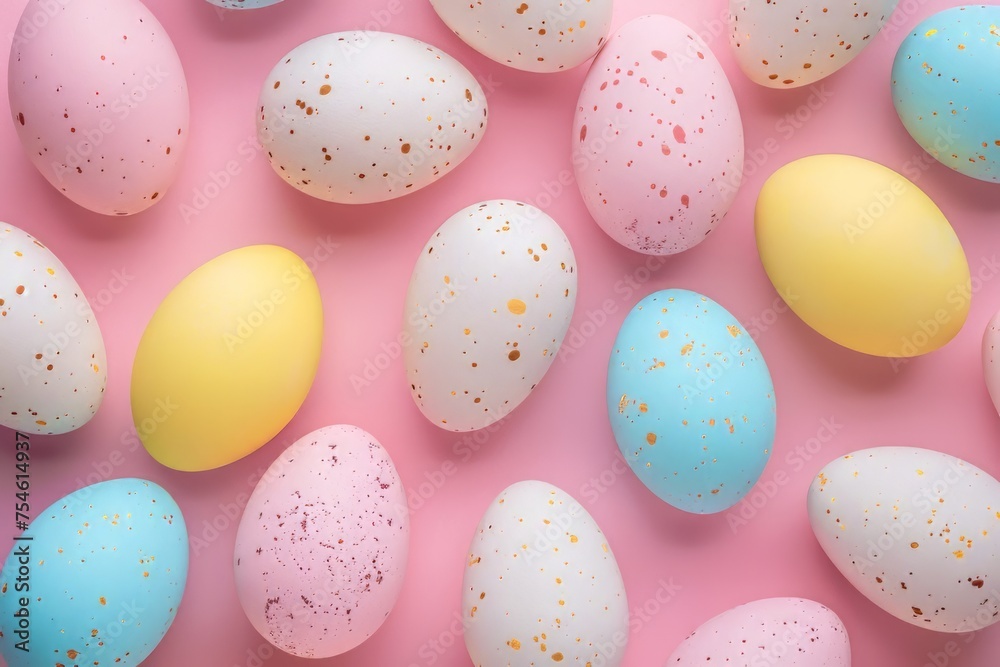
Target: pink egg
pixel 658 140
pixel 99 101
pixel 779 632
pixel 322 545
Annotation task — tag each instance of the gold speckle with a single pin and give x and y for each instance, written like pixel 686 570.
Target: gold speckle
pixel 664 333
pixel 687 349
pixel 514 355
pixel 516 306
pixel 102 600
pixel 514 644
pixel 932 31
pixel 958 554
pixel 734 330
pixel 557 657
pixel 623 401
pixel 914 545
pixel 643 407
pixel 323 90
pixel 651 438
pixel 573 539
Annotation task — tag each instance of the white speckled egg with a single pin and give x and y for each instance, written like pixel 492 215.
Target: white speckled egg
pixel 53 366
pixel 99 101
pixel 322 546
pixel 797 42
pixel 913 530
pixel 541 585
pixel 657 136
pixel 360 117
pixel 540 36
pixel 991 359
pixel 779 632
pixel 489 302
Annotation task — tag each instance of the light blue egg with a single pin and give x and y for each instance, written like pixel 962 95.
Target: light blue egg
pixel 691 401
pixel 945 88
pixel 243 4
pixel 103 577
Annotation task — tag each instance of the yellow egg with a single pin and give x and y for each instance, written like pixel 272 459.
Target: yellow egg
pixel 862 255
pixel 228 358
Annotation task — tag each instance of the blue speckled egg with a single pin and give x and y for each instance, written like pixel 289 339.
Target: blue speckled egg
pixel 944 86
pixel 691 401
pixel 102 577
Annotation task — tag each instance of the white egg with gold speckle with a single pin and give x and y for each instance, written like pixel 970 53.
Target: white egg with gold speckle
pixel 489 302
pixel 53 365
pixel 915 531
pixel 541 584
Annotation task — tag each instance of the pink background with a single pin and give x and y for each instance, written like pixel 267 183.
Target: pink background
pixel 561 434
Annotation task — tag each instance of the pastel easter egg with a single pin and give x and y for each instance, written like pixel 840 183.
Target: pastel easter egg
pixel 991 359
pixel 99 102
pixel 798 42
pixel 361 117
pixel 541 584
pixel 243 4
pixel 691 401
pixel 780 632
pixel 657 136
pixel 227 358
pixel 53 365
pixel 322 545
pixel 489 302
pixel 824 217
pixel 541 36
pixel 99 575
pixel 944 88
pixel 912 530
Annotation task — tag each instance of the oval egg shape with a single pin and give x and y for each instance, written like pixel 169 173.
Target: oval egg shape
pixel 322 546
pixel 991 359
pixel 691 401
pixel 489 302
pixel 53 364
pixel 541 36
pixel 227 358
pixel 106 570
pixel 779 632
pixel 361 117
pixel 657 138
pixel 798 42
pixel 911 529
pixel 944 88
pixel 99 101
pixel 541 584
pixel 909 289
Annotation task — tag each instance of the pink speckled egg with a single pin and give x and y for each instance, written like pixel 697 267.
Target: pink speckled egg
pixel 991 359
pixel 99 101
pixel 657 136
pixel 780 632
pixel 322 546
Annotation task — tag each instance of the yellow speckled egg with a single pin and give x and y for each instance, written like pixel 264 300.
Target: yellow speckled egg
pixel 862 255
pixel 228 358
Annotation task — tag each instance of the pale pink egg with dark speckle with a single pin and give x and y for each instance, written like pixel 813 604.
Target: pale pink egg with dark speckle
pixel 322 545
pixel 99 101
pixel 657 138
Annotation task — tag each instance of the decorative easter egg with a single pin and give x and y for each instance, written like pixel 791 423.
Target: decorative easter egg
pixel 99 575
pixel 912 530
pixel 798 42
pixel 99 102
pixel 227 358
pixel 541 36
pixel 780 632
pixel 360 117
pixel 944 88
pixel 243 4
pixel 53 366
pixel 489 302
pixel 541 584
pixel 691 401
pixel 991 359
pixel 657 136
pixel 862 255
pixel 321 548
